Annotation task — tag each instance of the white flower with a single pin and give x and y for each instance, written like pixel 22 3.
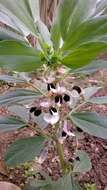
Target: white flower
pixel 65 132
pixel 52 117
pixel 56 89
pixel 74 96
pixel 51 87
pixel 65 129
pixel 58 100
pixel 60 89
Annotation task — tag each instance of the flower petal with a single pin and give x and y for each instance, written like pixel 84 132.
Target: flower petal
pixel 68 132
pixel 75 94
pixel 47 117
pixel 60 89
pixel 51 119
pixel 65 126
pixel 74 98
pixel 72 103
pixel 45 104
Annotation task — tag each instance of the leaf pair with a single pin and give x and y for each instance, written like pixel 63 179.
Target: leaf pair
pixel 18 97
pixel 65 183
pixel 20 15
pixel 24 150
pixel 18 56
pixel 91 123
pixel 83 32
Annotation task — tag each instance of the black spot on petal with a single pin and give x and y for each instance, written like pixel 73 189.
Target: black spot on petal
pixel 64 134
pixel 66 98
pixel 77 88
pixel 79 130
pixel 50 86
pixel 58 99
pixel 37 112
pixel 61 100
pixel 32 109
pixel 52 110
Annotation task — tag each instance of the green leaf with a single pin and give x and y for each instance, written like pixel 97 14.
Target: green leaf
pixel 33 8
pixel 19 15
pixel 92 67
pixel 11 79
pixel 9 123
pixel 24 150
pixel 44 32
pixel 55 35
pixel 93 30
pixel 14 24
pixel 98 100
pixel 19 111
pixel 84 165
pixel 6 33
pixel 89 186
pixel 90 91
pixel 66 183
pixel 84 54
pixel 71 14
pixel 17 56
pixel 40 121
pixel 91 122
pixel 82 11
pixel 18 96
pixel 65 10
pixel 38 185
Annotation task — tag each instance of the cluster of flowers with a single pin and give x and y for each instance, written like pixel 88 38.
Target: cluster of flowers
pixel 58 97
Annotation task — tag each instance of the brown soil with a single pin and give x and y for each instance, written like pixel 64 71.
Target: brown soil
pixel 95 147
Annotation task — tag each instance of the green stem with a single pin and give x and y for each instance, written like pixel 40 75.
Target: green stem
pixel 61 156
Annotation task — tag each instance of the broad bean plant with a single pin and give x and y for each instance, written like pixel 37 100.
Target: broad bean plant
pixel 45 97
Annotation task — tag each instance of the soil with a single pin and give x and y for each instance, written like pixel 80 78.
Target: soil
pixel 95 147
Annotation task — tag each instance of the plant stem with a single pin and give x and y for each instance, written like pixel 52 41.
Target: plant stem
pixel 61 156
